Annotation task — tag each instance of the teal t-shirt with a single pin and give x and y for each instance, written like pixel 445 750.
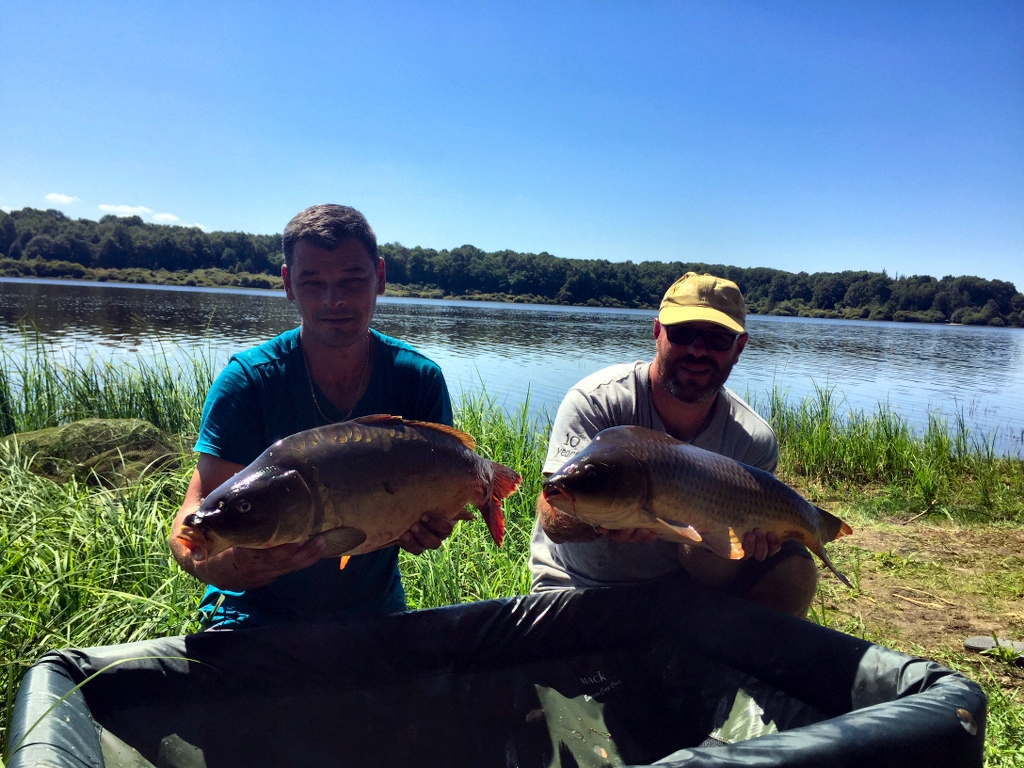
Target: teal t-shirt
pixel 263 395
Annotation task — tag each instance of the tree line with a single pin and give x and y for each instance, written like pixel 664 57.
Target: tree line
pixel 52 240
pixel 128 242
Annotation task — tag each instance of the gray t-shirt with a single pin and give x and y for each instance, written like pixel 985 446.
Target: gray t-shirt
pixel 621 394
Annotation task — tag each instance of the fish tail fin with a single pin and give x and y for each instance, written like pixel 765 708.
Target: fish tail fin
pixel 503 484
pixel 505 480
pixel 820 552
pixel 831 527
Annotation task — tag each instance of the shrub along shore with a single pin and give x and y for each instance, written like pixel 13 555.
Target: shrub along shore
pixel 88 565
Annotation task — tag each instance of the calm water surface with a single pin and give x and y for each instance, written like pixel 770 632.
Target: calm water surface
pixel 518 350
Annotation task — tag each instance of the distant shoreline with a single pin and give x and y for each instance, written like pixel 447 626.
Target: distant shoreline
pixel 48 244
pixel 205 280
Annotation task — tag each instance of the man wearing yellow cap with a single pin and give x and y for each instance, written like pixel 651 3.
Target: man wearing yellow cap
pixel 699 335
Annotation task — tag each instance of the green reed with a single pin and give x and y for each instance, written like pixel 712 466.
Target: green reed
pixel 942 469
pixel 84 566
pixel 41 388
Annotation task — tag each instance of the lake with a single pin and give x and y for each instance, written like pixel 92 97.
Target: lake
pixel 518 351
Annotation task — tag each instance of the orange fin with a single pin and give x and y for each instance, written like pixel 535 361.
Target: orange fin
pixel 463 437
pixel 503 484
pixel 724 543
pixel 382 418
pixel 343 562
pixel 505 480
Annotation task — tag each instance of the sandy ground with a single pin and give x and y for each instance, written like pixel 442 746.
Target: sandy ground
pixel 923 589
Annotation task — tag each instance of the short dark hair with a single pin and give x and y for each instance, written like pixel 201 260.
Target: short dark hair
pixel 328 226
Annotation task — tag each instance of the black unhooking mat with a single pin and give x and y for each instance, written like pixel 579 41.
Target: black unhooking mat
pixel 649 674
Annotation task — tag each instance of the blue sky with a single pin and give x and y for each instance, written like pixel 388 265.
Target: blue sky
pixel 802 136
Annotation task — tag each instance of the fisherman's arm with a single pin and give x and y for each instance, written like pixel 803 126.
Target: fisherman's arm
pixel 236 569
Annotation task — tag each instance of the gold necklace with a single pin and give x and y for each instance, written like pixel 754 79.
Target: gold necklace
pixel 359 384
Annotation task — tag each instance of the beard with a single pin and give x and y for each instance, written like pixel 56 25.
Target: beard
pixel 673 378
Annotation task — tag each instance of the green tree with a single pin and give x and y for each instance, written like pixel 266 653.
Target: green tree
pixel 8 232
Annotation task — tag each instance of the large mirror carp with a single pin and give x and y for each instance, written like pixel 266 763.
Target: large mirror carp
pixel 361 484
pixel 634 477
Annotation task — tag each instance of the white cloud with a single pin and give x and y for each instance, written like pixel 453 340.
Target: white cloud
pixel 57 197
pixel 165 218
pixel 124 210
pixel 8 209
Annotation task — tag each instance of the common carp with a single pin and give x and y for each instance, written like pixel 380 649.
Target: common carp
pixel 360 484
pixel 634 477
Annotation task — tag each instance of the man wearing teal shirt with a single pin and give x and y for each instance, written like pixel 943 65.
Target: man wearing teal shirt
pixel 332 368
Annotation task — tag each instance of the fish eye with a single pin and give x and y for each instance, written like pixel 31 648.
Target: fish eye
pixel 589 469
pixel 244 506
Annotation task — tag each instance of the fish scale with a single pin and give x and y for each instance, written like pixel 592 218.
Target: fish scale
pixel 634 477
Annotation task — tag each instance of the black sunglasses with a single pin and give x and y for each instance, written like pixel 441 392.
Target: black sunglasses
pixel 683 334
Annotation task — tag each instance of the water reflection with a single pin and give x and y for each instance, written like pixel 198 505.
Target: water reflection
pixel 519 351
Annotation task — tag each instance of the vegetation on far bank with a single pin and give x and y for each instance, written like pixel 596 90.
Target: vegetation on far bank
pixel 35 243
pixel 88 565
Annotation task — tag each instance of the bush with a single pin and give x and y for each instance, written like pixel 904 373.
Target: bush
pixel 61 269
pixel 928 316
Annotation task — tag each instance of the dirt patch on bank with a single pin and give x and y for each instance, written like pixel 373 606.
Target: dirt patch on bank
pixel 923 589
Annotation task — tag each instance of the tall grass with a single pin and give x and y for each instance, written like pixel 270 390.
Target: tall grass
pixel 39 388
pixel 943 470
pixel 84 566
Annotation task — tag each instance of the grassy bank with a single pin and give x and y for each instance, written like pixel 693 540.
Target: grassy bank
pixel 99 556
pixel 880 461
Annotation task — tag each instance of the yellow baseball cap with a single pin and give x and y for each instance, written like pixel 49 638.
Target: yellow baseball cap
pixel 707 298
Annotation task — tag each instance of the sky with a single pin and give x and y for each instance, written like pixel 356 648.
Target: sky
pixel 794 135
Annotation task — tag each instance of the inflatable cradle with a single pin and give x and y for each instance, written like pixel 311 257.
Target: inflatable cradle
pixel 655 674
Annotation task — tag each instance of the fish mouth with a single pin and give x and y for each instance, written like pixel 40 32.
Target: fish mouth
pixel 195 542
pixel 556 495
